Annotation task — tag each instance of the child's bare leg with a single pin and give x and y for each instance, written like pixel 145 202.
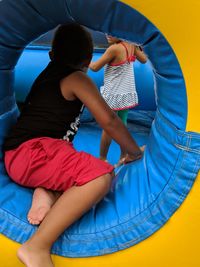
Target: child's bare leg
pixel 42 201
pixel 69 207
pixel 105 144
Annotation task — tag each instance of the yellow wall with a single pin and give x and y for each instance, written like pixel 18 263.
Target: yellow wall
pixel 179 22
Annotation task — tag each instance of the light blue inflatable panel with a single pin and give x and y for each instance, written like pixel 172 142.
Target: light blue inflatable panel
pixel 145 193
pixel 34 60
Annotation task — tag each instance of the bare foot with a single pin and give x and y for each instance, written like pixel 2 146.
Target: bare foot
pixel 31 256
pixel 42 201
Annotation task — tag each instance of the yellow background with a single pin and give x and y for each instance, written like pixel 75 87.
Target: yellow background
pixel 177 243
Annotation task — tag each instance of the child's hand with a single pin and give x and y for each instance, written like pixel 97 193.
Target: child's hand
pixel 120 162
pixel 129 158
pixel 90 65
pixel 139 47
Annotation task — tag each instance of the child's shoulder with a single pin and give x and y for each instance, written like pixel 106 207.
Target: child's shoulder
pixel 114 48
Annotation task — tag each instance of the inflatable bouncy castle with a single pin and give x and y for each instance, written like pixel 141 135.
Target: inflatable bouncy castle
pixel 158 192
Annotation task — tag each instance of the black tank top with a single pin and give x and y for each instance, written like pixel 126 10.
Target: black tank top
pixel 46 112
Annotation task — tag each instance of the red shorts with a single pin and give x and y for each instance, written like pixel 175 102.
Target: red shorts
pixel 53 164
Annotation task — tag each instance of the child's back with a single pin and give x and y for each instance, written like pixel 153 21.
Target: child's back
pixel 46 112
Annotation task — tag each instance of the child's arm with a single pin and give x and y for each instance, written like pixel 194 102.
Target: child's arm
pixel 140 55
pixel 79 85
pixel 107 57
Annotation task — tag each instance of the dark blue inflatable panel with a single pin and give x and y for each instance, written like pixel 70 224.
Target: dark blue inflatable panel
pixel 145 193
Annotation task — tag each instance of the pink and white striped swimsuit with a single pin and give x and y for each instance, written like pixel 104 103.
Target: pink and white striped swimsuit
pixel 119 90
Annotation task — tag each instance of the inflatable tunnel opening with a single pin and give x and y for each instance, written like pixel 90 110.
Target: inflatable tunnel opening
pixel 35 58
pixel 145 193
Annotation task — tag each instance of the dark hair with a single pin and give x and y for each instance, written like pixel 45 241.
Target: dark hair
pixel 72 44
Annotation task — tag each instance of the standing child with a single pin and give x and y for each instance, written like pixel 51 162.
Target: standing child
pixel 119 83
pixel 39 151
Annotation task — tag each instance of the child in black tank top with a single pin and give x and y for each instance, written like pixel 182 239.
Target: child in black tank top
pixel 42 139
